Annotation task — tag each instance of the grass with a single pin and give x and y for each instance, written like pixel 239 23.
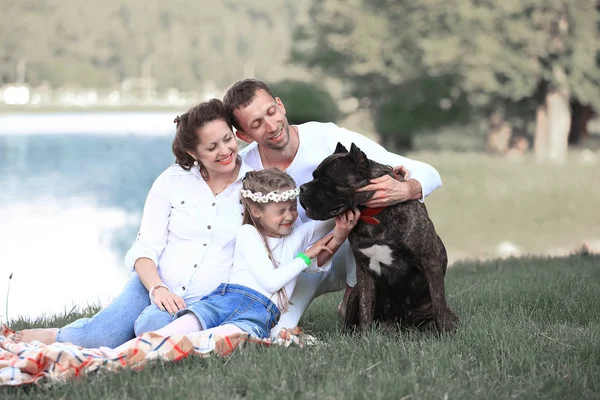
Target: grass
pixel 530 326
pixel 530 329
pixel 486 200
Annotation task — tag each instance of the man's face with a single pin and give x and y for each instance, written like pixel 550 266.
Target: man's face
pixel 264 122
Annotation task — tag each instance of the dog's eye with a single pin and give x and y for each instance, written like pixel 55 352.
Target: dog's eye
pixel 325 180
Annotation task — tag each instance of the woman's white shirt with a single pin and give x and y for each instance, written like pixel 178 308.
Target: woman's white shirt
pixel 188 232
pixel 253 268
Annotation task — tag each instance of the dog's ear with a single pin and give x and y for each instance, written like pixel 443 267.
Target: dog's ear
pixel 340 149
pixel 358 157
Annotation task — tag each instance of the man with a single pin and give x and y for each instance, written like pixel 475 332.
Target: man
pixel 260 120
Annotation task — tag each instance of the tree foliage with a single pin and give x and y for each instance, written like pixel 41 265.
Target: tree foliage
pixel 507 48
pixel 491 53
pixel 181 43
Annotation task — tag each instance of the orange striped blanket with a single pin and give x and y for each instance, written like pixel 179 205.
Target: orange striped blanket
pixel 26 363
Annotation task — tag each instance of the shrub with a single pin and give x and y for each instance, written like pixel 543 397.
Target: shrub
pixel 306 102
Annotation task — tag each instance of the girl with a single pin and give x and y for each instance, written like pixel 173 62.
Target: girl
pixel 271 250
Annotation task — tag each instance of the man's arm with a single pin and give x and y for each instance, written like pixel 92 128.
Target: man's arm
pixel 427 177
pixel 389 191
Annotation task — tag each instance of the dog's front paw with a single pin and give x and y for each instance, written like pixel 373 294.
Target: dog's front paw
pixel 350 312
pixel 447 321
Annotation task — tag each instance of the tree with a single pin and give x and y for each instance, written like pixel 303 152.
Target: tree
pixel 495 53
pixel 376 54
pixel 514 51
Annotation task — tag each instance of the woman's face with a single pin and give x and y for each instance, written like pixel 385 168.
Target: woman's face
pixel 217 149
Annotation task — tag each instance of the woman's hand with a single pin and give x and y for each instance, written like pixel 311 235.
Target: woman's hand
pixel 319 245
pixel 167 301
pixel 344 223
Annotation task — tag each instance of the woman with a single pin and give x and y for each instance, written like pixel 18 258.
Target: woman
pixel 185 245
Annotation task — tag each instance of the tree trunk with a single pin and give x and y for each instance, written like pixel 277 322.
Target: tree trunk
pixel 581 116
pixel 559 124
pixel 499 134
pixel 540 140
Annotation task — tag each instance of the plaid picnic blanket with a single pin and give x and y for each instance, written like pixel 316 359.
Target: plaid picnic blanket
pixel 26 363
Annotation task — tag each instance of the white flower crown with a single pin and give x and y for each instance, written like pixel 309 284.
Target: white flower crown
pixel 275 196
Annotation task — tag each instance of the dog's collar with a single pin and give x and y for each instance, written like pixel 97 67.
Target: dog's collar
pixel 367 215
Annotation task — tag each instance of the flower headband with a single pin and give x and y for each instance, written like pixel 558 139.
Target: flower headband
pixel 275 196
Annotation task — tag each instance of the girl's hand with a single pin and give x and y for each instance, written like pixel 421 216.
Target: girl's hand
pixel 319 245
pixel 344 223
pixel 168 301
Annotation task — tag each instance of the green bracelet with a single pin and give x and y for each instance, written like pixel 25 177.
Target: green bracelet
pixel 304 257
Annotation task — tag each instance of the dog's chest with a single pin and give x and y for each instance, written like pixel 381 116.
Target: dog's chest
pixel 374 249
pixel 379 258
pixel 380 249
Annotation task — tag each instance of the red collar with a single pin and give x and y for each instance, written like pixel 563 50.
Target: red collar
pixel 367 214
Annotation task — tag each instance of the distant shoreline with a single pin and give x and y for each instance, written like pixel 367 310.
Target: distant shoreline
pixel 8 110
pixel 103 122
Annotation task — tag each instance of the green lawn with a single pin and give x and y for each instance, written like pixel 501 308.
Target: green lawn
pixel 486 200
pixel 530 329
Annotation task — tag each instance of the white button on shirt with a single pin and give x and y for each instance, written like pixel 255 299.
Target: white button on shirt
pixel 188 232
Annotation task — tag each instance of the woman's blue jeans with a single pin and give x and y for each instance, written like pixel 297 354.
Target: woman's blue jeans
pixel 129 315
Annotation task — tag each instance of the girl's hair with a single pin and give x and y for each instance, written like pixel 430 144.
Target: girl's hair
pixel 187 138
pixel 265 181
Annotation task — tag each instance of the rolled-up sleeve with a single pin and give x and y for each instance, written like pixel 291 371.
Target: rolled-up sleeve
pixel 425 174
pixel 152 237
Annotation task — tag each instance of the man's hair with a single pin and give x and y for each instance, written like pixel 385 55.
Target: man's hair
pixel 240 95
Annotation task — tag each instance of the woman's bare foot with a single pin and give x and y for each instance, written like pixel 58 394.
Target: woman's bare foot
pixel 44 335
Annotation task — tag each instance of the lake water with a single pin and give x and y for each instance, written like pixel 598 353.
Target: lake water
pixel 72 189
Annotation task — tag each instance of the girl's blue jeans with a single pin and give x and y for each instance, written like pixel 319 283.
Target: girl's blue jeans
pixel 129 315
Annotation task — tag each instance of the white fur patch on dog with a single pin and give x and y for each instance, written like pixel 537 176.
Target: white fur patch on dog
pixel 378 255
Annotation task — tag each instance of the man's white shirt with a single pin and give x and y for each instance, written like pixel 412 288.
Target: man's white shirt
pixel 319 140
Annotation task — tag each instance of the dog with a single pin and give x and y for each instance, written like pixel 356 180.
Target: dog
pixel 401 261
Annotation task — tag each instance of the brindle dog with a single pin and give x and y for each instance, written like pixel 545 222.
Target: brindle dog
pixel 401 261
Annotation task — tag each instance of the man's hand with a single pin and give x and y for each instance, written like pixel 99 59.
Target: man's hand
pixel 167 301
pixel 402 172
pixel 389 191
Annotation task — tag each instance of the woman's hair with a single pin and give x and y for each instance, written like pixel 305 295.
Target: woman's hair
pixel 186 136
pixel 266 181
